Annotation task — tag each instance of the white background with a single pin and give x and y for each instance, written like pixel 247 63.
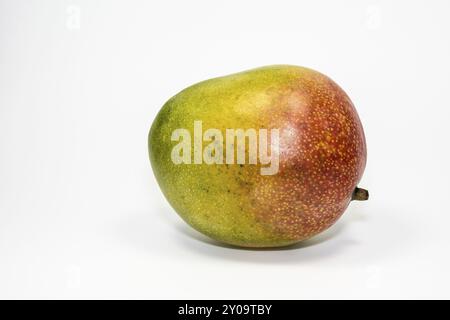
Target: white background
pixel 81 215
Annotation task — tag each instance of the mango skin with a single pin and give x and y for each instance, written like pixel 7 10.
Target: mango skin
pixel 322 156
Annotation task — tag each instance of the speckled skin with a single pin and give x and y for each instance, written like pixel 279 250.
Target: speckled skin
pixel 322 156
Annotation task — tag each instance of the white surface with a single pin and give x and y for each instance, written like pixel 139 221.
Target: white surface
pixel 81 215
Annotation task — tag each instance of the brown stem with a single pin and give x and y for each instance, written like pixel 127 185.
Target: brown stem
pixel 360 194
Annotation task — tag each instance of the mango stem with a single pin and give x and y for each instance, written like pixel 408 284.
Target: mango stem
pixel 360 194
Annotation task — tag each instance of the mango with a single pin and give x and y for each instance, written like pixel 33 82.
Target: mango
pixel 262 158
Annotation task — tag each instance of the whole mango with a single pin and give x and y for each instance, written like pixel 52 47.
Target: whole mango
pixel 262 158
